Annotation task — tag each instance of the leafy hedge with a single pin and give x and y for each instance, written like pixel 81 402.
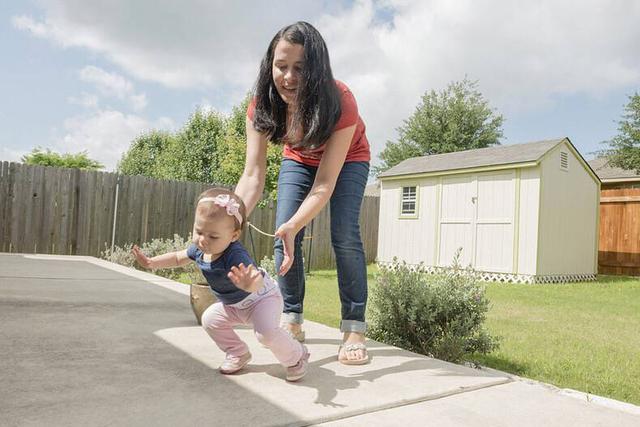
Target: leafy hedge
pixel 439 315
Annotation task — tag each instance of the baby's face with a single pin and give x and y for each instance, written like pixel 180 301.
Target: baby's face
pixel 214 236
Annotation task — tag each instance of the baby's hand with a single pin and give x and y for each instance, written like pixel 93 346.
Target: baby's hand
pixel 142 259
pixel 246 278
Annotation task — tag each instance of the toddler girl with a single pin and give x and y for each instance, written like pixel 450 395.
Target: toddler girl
pixel 246 295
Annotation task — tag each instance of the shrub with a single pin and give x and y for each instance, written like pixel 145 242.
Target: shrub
pixel 439 315
pixel 269 265
pixel 123 256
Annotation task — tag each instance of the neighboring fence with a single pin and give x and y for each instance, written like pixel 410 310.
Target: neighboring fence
pixel 619 247
pixel 72 212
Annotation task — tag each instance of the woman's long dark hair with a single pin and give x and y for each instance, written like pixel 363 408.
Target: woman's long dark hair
pixel 318 98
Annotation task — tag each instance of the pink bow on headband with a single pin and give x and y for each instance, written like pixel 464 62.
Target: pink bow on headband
pixel 225 201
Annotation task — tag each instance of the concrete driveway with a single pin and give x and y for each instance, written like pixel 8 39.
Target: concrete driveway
pixel 89 343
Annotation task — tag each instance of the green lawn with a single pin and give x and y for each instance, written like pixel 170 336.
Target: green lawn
pixel 321 301
pixel 584 336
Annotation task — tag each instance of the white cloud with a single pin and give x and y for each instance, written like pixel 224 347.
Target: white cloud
pixel 105 134
pixel 86 100
pixel 138 102
pixel 178 44
pixel 107 83
pixel 27 23
pixel 11 155
pixel 524 54
pixel 113 84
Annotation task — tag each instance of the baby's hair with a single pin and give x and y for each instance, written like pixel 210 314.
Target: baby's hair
pixel 212 211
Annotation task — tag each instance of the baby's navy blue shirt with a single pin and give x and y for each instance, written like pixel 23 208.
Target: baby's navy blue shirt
pixel 216 271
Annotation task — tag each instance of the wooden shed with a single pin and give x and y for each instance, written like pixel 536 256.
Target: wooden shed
pixel 521 213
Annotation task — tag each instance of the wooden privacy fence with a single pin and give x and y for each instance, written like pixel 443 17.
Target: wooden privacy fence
pixel 619 247
pixel 72 212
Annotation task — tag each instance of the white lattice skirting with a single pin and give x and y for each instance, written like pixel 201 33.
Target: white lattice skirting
pixel 486 276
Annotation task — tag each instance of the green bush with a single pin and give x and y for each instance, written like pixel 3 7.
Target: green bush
pixel 269 265
pixel 439 315
pixel 123 256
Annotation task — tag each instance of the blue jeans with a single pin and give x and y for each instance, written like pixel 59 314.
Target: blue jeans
pixel 294 183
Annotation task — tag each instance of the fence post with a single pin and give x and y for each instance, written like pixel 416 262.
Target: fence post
pixel 115 215
pixel 75 224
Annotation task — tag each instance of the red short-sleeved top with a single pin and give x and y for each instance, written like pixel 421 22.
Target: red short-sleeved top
pixel 359 150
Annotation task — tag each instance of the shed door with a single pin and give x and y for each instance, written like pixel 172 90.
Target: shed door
pixel 457 219
pixel 477 215
pixel 495 207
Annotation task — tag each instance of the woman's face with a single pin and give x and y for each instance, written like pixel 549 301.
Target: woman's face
pixel 288 62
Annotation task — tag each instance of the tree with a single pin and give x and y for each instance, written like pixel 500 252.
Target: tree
pixel 233 153
pixel 144 154
pixel 211 148
pixel 80 160
pixel 192 154
pixel 624 151
pixel 458 118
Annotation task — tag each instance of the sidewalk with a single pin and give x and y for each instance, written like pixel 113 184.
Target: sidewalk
pixel 86 342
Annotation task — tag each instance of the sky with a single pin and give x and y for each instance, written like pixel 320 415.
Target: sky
pixel 89 75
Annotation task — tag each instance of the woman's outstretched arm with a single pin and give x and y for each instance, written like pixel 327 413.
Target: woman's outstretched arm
pixel 251 183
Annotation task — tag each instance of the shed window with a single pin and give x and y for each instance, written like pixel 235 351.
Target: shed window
pixel 409 195
pixel 564 161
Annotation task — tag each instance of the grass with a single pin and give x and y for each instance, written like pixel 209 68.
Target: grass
pixel 321 301
pixel 584 336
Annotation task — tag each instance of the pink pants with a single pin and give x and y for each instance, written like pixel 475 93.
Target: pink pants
pixel 263 312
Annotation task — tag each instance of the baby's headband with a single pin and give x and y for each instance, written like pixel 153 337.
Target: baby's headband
pixel 225 201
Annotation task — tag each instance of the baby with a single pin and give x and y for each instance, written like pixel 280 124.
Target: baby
pixel 246 295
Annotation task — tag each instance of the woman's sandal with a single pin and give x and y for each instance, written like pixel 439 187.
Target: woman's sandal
pixel 353 347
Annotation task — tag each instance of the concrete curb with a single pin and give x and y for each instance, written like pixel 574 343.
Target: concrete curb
pixel 605 402
pixel 178 287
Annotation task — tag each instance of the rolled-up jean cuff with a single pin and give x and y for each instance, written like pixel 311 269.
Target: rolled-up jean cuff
pixel 353 326
pixel 297 318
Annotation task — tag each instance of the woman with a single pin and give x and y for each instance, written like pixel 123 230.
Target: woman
pixel 326 157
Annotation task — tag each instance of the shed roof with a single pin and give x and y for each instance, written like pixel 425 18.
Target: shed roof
pixel 491 156
pixel 610 173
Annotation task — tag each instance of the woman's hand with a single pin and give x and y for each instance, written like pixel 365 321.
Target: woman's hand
pixel 287 233
pixel 142 259
pixel 246 278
